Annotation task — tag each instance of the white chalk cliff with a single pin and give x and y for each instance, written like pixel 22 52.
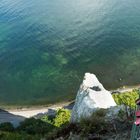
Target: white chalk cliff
pixel 91 96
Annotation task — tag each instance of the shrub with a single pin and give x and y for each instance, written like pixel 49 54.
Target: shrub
pixel 35 126
pixel 47 119
pixel 7 126
pixel 62 117
pixel 127 98
pixel 95 124
pixel 17 136
pixel 63 131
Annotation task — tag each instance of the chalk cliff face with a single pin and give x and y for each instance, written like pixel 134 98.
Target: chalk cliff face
pixel 91 95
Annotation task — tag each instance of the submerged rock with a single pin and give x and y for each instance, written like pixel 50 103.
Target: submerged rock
pixel 91 96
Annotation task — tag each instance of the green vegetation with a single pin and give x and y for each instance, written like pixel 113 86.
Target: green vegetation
pixel 95 127
pixel 47 119
pixel 17 136
pixel 35 126
pixel 53 127
pixel 127 98
pixel 91 125
pixel 6 127
pixel 62 117
pixel 34 129
pixel 95 124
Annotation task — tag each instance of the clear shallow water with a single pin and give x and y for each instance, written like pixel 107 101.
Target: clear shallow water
pixel 46 47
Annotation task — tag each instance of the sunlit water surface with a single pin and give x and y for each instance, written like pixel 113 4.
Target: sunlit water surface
pixel 46 46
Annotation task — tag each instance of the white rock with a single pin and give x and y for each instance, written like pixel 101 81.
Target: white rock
pixel 123 110
pixel 91 95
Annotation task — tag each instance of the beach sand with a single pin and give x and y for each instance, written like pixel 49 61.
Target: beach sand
pixel 32 111
pixel 15 116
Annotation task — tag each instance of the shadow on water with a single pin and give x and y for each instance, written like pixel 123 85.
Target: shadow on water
pixel 6 116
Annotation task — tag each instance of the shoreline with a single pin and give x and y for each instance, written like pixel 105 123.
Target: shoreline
pixel 15 116
pixel 126 89
pixel 35 110
pixel 33 107
pixel 30 111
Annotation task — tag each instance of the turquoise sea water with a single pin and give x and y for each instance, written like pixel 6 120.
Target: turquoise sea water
pixel 46 46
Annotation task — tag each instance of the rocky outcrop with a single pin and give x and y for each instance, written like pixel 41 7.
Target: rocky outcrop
pixel 91 96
